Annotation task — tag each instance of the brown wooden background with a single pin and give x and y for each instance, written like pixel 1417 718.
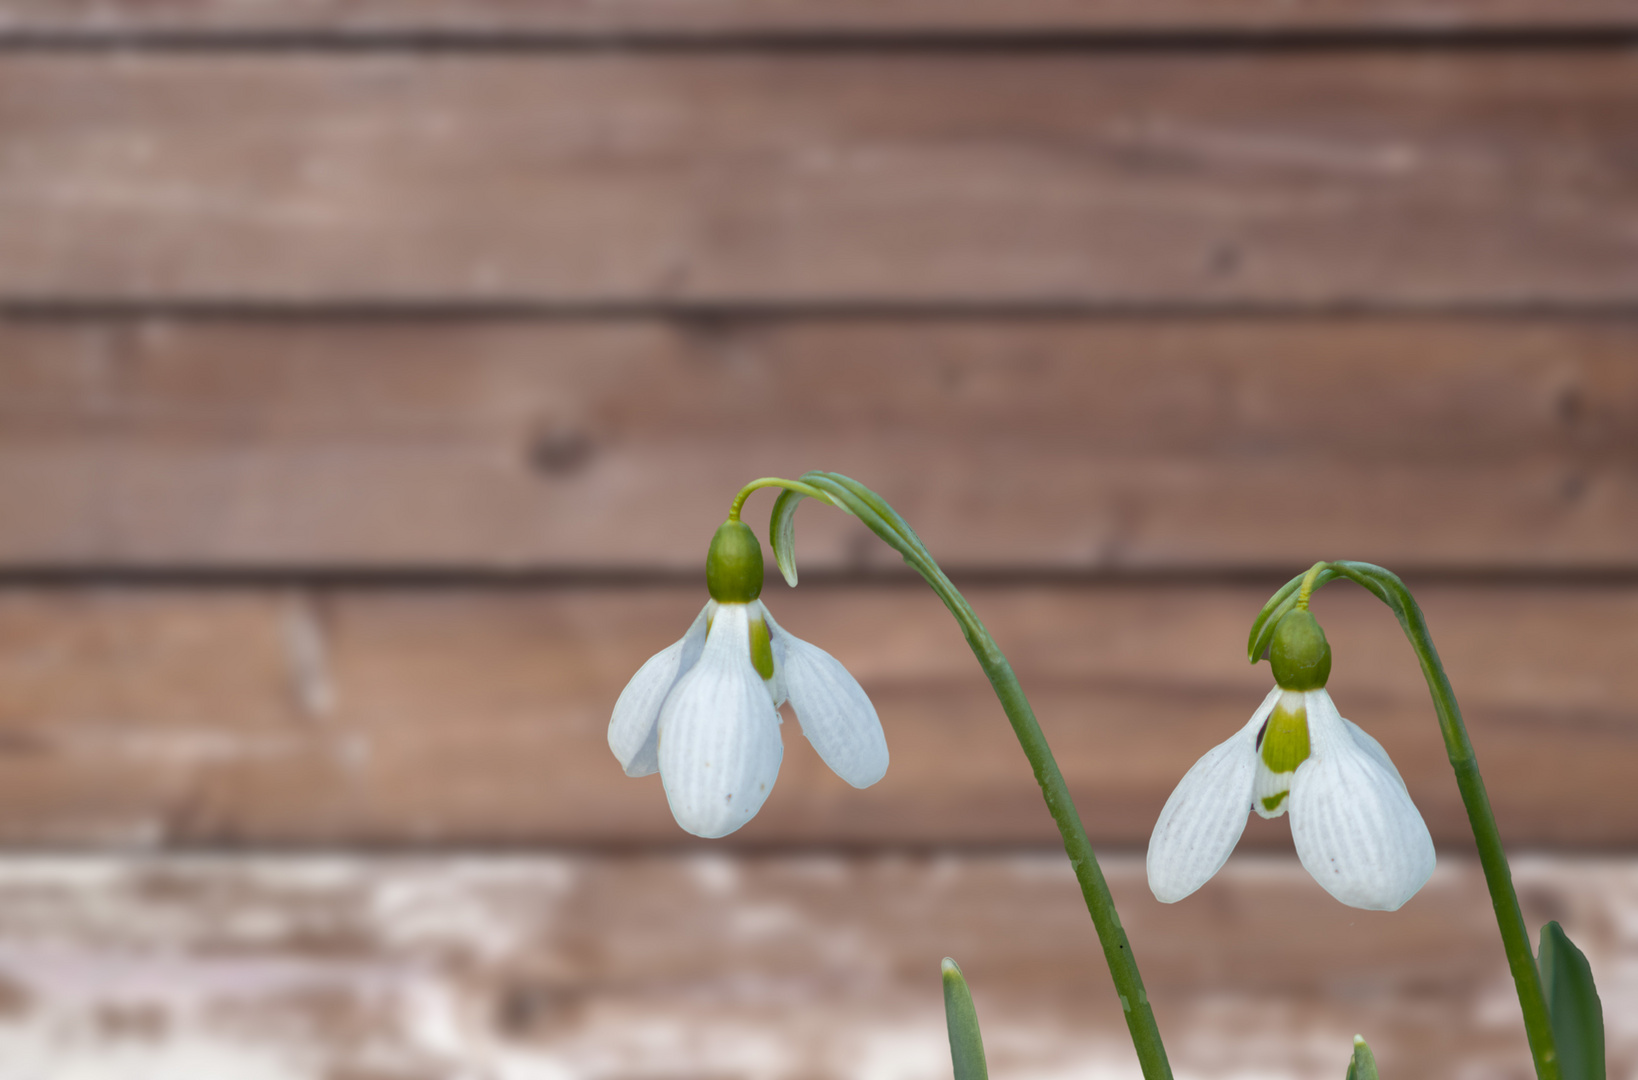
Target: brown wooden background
pixel 373 374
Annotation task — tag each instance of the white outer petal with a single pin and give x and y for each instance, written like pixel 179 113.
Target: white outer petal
pixel 634 727
pixel 719 734
pixel 1369 745
pixel 835 712
pixel 1356 830
pixel 1206 814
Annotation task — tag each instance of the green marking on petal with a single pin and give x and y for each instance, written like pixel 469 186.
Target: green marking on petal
pixel 1273 801
pixel 1285 739
pixel 761 649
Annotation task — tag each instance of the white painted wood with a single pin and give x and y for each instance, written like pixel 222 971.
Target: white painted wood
pixel 527 968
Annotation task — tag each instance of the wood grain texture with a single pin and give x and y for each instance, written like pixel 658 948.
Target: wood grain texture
pixel 1049 444
pixel 774 968
pixel 133 719
pixel 1421 178
pixel 596 18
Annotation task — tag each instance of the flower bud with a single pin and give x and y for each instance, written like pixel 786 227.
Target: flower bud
pixel 1299 653
pixel 733 566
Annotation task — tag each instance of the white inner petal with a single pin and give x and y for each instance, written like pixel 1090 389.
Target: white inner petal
pixel 1271 793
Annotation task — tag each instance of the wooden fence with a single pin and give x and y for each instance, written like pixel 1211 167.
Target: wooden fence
pixel 372 376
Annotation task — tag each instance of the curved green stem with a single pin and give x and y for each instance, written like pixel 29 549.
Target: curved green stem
pixel 768 482
pixel 1309 580
pixel 1387 587
pixel 885 522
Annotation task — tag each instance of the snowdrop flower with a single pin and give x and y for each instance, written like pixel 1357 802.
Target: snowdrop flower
pixel 704 712
pixel 1355 828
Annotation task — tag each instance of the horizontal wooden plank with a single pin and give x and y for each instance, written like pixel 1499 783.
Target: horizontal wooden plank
pixel 171 718
pixel 595 18
pixel 1050 444
pixel 1495 177
pixel 781 968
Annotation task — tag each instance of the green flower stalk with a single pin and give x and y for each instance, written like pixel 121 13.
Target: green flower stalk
pixel 1386 587
pixel 885 522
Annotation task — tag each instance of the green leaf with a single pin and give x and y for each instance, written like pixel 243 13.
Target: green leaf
pixel 782 525
pixel 1382 583
pixel 966 1045
pixel 879 504
pixel 782 533
pixel 1362 1066
pixel 880 518
pixel 1281 603
pixel 1572 1002
pixel 1262 627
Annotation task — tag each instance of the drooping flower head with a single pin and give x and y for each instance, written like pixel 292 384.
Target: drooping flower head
pixel 704 712
pixel 1352 820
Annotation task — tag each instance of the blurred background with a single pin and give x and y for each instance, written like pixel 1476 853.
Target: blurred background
pixel 373 375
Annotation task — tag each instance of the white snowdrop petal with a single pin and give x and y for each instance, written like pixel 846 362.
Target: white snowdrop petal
pixel 1370 746
pixel 1355 828
pixel 719 739
pixel 634 727
pixel 835 713
pixel 1318 702
pixel 1203 819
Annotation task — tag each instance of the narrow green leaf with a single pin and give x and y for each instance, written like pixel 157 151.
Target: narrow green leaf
pixel 880 505
pixel 782 525
pixel 874 511
pixel 966 1045
pixel 782 533
pixel 1262 627
pixel 1362 1066
pixel 847 494
pixel 1384 584
pixel 1572 1002
pixel 1281 603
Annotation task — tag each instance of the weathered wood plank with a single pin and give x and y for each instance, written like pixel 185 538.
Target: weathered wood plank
pixel 596 18
pixel 774 968
pixel 1053 444
pixel 1287 178
pixel 163 717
